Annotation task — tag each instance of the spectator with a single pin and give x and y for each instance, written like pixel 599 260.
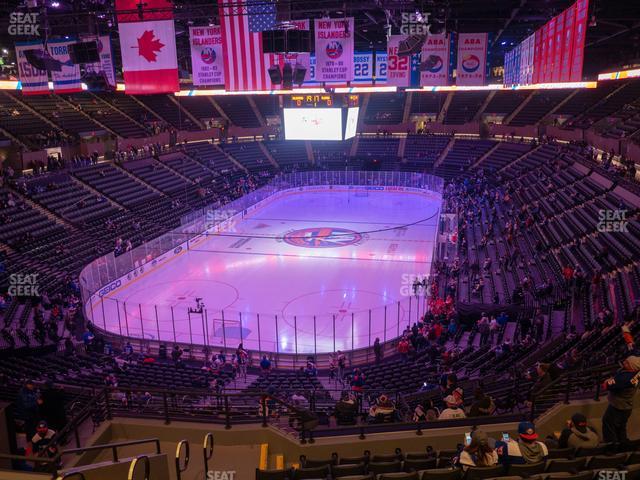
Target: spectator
pixel 40 442
pixel 622 387
pixel 483 404
pixel 265 364
pixel 357 381
pixel 403 348
pixel 383 410
pixel 478 453
pixel 377 350
pixel 28 404
pixel 578 434
pixel 426 413
pixel 453 409
pixel 346 410
pixel 527 449
pixel 52 408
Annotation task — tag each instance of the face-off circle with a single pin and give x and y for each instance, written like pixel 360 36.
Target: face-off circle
pixel 322 237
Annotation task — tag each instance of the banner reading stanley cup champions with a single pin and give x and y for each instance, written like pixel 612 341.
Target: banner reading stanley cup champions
pixel 334 49
pixel 207 60
pixel 434 62
pixel 472 59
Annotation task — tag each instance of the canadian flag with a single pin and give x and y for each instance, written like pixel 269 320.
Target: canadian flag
pixel 148 47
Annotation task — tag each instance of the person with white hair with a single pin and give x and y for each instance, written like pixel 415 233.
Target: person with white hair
pixel 622 387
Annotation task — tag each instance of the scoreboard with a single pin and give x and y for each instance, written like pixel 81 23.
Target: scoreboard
pixel 323 116
pixel 325 100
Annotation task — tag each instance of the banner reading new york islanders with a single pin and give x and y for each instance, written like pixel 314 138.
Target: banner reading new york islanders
pixel 334 49
pixel 207 60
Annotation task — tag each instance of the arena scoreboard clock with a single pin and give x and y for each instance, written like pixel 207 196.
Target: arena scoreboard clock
pixel 321 100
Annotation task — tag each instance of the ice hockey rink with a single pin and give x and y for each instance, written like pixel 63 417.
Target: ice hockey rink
pixel 313 271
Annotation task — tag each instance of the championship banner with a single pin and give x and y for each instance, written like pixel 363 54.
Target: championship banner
pixel 148 47
pixel 530 43
pixel 435 61
pixel 334 49
pixel 32 80
pixel 472 59
pixel 507 75
pixel 545 66
pixel 398 68
pixel 106 63
pixel 537 57
pixel 567 43
pixel 558 44
pixel 207 60
pixel 516 64
pixel 580 30
pixel 67 80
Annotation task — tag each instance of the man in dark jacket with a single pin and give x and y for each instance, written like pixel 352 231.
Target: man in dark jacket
pixel 578 434
pixel 622 387
pixel 28 403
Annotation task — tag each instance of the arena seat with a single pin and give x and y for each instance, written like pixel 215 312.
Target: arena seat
pixel 384 467
pixel 441 474
pixel 599 462
pixel 482 473
pixel 527 470
pixel 565 465
pixel 417 464
pixel 399 476
pixel 273 474
pixel 310 473
pixel 340 471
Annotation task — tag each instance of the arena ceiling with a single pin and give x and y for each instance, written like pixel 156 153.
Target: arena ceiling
pixel 613 38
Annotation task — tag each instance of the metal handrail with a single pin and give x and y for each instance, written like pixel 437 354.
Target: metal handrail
pixel 182 444
pixel 134 463
pixel 207 450
pixel 114 447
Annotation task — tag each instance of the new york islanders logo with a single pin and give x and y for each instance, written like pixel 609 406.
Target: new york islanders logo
pixel 208 55
pixel 334 50
pixel 322 237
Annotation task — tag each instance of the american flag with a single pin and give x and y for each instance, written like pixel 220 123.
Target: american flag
pixel 242 22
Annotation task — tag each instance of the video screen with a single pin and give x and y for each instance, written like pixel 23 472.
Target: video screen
pixel 352 122
pixel 312 124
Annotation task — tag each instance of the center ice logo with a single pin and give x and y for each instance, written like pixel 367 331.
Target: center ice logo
pixel 322 237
